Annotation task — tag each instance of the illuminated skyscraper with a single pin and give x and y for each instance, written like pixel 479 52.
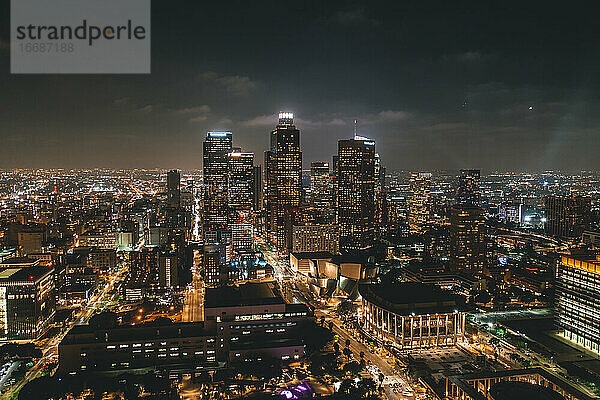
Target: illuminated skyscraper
pixel 467 239
pixel 257 188
pixel 174 188
pixel 418 203
pixel 240 183
pixel 468 187
pixel 380 192
pixel 217 146
pixel 355 198
pixel 283 164
pixel 320 184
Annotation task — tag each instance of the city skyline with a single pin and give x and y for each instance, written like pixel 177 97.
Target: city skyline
pixel 434 94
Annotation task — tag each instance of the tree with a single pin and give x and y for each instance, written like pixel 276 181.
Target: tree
pixel 347 342
pixel 352 368
pixel 347 352
pixel 482 298
pixel 104 320
pixel 336 347
pixel 346 309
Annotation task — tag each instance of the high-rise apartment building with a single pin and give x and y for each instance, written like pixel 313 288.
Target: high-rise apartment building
pixel 467 239
pixel 355 197
pixel 567 216
pixel 418 202
pixel 468 192
pixel 283 163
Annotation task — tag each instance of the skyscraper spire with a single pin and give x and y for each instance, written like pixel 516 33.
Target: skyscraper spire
pixel 355 128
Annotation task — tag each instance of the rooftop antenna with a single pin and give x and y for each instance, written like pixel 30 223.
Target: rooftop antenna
pixel 355 128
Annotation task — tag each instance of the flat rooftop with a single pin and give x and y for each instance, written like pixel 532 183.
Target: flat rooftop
pixel 411 297
pixel 23 274
pixel 248 294
pixel 313 255
pixel 19 261
pixel 86 334
pixel 513 390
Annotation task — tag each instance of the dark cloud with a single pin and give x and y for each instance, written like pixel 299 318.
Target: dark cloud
pixel 436 84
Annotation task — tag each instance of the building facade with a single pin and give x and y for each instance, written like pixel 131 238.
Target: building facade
pixel 468 192
pixel 320 185
pixel 467 239
pixel 216 148
pixel 241 181
pixel 27 302
pixel 311 238
pixel 355 197
pixel 577 293
pixel 567 216
pixel 418 202
pixel 283 162
pixel 174 188
pixel 246 323
pixel 412 315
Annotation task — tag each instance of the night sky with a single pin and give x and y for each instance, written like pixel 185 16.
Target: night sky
pixel 443 85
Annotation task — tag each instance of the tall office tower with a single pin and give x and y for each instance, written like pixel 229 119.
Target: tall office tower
pixel 27 302
pixel 241 236
pixel 174 188
pixel 577 294
pixel 567 216
pixel 380 192
pixel 257 188
pixel 320 184
pixel 217 146
pixel 468 187
pixel 211 266
pixel 355 199
pixel 240 181
pixel 283 162
pixel 168 269
pixel 467 239
pixel 334 184
pixel 418 202
pixel 312 238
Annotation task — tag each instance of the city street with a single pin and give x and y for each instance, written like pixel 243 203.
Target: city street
pixel 193 305
pixel 98 302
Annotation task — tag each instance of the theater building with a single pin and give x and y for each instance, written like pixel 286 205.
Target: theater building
pixel 412 315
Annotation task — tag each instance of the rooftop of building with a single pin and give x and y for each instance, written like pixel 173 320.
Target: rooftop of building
pixel 265 344
pixel 248 294
pixel 87 334
pixel 586 261
pixel 25 274
pixel 463 381
pixel 512 390
pixel 19 261
pixel 411 297
pixel 312 255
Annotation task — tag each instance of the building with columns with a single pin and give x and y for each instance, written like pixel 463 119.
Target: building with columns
pixel 413 315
